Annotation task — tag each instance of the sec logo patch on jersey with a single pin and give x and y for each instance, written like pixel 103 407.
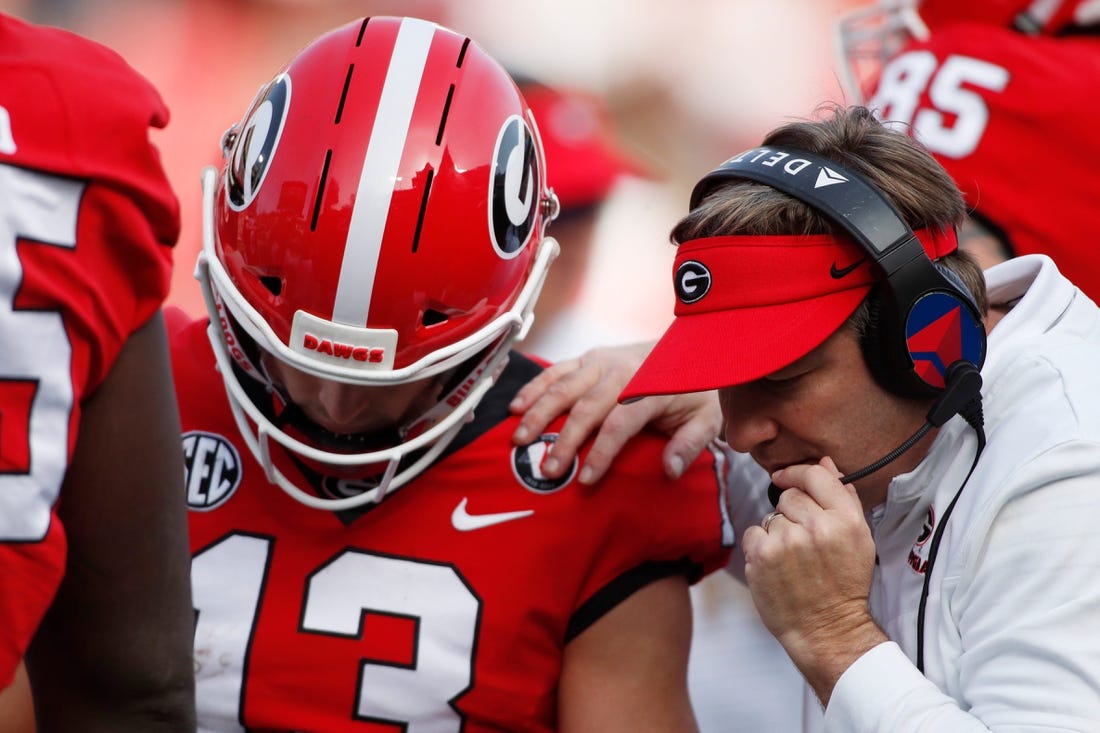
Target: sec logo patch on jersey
pixel 212 470
pixel 527 466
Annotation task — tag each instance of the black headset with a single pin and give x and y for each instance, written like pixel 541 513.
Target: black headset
pixel 922 316
pixel 924 325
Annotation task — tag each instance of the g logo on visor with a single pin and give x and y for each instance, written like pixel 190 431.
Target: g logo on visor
pixel 514 193
pixel 256 139
pixel 692 281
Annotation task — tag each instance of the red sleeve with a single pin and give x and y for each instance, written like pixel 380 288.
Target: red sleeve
pixel 78 111
pixel 647 526
pixel 87 219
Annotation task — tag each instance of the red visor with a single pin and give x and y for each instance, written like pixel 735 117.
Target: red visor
pixel 750 305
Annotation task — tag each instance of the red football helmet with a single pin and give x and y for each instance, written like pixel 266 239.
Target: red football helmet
pixel 380 220
pixel 865 38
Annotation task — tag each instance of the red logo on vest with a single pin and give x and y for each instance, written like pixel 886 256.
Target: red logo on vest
pixel 374 355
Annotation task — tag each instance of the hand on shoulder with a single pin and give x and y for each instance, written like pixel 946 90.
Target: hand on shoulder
pixel 588 388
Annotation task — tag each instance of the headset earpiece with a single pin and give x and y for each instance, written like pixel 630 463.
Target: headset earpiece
pixel 925 322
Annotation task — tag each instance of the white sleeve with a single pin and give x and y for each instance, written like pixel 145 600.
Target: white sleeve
pixel 883 691
pixel 1013 633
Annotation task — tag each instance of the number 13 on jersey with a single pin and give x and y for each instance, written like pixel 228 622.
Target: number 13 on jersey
pixel 229 580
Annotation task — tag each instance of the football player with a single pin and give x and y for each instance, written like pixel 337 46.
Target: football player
pixel 93 538
pixel 370 551
pixel 1003 93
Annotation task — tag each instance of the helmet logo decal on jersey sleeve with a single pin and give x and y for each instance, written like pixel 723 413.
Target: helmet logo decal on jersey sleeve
pixel 212 470
pixel 514 193
pixel 254 143
pixel 527 466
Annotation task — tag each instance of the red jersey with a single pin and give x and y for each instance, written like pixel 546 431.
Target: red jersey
pixel 1010 116
pixel 447 606
pixel 86 222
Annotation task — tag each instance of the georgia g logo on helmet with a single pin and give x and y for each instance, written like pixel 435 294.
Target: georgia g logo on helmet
pixel 254 142
pixel 514 193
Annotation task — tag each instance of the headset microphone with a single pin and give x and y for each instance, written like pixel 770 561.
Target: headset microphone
pixel 962 396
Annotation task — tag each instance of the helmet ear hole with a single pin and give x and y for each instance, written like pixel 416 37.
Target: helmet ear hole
pixel 433 317
pixel 273 284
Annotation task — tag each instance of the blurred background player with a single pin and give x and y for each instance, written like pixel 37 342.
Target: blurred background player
pixel 586 159
pixel 1003 93
pixel 367 547
pixel 93 549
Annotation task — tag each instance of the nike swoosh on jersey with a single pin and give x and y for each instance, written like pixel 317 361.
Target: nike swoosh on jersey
pixel 463 521
pixel 838 273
